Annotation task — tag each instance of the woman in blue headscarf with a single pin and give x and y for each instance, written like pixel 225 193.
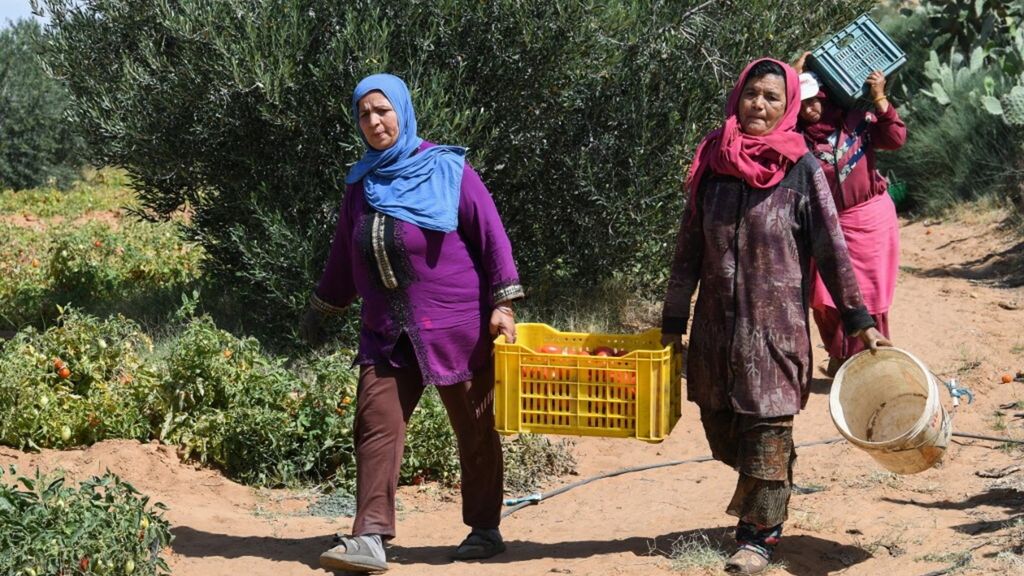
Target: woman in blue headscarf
pixel 419 239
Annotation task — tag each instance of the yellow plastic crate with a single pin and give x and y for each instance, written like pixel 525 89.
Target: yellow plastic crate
pixel 636 395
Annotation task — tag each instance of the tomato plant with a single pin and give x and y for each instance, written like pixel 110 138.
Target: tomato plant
pixel 53 528
pixel 109 393
pixel 80 374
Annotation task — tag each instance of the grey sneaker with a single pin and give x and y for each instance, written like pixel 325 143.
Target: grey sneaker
pixel 356 554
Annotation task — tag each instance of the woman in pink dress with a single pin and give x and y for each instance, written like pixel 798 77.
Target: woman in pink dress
pixel 844 142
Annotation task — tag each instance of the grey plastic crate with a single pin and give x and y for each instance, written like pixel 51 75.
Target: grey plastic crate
pixel 844 61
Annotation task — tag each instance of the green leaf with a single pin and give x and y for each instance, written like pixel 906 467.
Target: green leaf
pixel 6 505
pixel 977 59
pixel 54 487
pixel 992 105
pixel 940 95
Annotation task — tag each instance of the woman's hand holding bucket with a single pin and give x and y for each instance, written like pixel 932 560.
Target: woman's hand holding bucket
pixel 872 339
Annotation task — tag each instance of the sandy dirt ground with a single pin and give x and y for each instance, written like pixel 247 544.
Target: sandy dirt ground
pixel 955 309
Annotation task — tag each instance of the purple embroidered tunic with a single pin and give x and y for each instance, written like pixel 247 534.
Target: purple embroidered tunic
pixel 437 288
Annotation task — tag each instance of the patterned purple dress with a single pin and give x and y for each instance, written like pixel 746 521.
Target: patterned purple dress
pixel 750 250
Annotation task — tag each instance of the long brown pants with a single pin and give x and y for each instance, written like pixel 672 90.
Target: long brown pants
pixel 385 400
pixel 761 450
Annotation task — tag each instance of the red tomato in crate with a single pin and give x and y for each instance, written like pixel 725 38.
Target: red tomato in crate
pixel 550 349
pixel 603 351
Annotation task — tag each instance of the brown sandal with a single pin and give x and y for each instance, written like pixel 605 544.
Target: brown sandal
pixel 834 364
pixel 746 561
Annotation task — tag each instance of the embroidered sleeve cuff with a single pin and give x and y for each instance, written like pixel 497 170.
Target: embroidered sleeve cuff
pixel 507 293
pixel 670 325
pixel 323 307
pixel 856 320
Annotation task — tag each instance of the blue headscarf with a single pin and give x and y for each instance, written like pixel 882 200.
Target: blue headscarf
pixel 422 188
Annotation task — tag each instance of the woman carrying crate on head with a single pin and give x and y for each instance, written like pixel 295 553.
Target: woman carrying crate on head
pixel 420 241
pixel 844 141
pixel 759 210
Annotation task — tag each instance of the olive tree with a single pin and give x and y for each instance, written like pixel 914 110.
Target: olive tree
pixel 581 116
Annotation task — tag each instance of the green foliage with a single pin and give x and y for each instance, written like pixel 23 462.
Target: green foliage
pixel 964 25
pixel 221 398
pixel 107 392
pixel 961 100
pixel 581 117
pixel 104 526
pixel 106 190
pixel 1011 107
pixel 430 450
pixel 431 453
pixel 24 297
pixel 95 261
pixel 531 460
pixel 37 146
pixel 230 405
pixel 135 268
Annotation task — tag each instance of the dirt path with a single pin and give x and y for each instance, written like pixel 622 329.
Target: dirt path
pixel 951 311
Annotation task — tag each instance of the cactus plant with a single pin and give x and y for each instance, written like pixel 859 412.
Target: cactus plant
pixel 1013 106
pixel 1010 106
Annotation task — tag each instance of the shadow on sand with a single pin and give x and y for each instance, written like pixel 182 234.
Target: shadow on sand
pixel 801 554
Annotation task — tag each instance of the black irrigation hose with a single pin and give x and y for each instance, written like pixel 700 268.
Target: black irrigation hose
pixel 536 499
pixel 989 438
pixel 520 503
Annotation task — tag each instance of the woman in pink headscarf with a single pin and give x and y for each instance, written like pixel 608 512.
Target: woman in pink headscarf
pixel 760 209
pixel 845 142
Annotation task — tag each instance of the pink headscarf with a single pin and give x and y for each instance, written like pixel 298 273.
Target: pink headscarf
pixel 761 161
